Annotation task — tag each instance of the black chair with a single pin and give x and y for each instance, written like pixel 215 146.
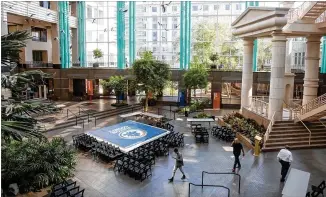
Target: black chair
pixel 308 194
pixel 79 194
pixel 318 190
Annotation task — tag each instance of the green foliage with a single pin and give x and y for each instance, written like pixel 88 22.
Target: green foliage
pixel 11 46
pixel 97 53
pixel 248 127
pixel 196 105
pixel 147 55
pixel 117 83
pixel 21 81
pixel 202 115
pixel 196 77
pixel 264 53
pixel 204 38
pixel 214 57
pixel 150 75
pixel 34 164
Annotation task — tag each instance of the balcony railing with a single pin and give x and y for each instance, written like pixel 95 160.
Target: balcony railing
pixel 259 105
pixel 313 104
pixel 321 18
pixel 296 13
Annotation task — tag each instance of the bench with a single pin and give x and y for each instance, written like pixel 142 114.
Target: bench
pixel 296 184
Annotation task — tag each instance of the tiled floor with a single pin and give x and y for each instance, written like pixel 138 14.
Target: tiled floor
pixel 260 175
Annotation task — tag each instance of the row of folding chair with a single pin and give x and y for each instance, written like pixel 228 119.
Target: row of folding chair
pixel 175 139
pixel 223 133
pixel 67 189
pixel 317 190
pixel 132 167
pixel 97 148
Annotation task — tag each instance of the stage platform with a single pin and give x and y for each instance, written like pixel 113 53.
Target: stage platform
pixel 128 135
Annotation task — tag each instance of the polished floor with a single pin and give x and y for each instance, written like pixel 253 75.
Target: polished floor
pixel 259 175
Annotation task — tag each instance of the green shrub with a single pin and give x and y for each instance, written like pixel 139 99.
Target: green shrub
pixel 202 115
pixel 34 164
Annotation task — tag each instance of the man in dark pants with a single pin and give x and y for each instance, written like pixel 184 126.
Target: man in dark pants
pixel 237 148
pixel 285 158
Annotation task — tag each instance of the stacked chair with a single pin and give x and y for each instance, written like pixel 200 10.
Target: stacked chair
pixel 201 135
pixel 98 149
pixel 223 133
pixel 67 189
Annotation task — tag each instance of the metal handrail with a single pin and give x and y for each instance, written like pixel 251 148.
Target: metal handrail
pixel 208 186
pixel 321 18
pixel 321 123
pixel 306 128
pixel 269 129
pixel 68 110
pixel 259 106
pixel 296 13
pixel 88 114
pixel 313 104
pixel 203 172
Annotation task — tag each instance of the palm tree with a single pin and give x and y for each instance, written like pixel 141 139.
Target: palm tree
pixel 11 46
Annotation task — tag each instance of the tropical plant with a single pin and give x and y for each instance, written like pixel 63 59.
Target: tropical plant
pixel 11 46
pixel 150 75
pixel 34 164
pixel 195 78
pixel 97 53
pixel 117 83
pixel 214 57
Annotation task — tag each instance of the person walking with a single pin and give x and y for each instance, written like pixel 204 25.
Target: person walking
pixel 285 158
pixel 237 148
pixel 178 164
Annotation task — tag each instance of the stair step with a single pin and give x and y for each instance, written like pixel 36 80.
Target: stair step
pixel 284 135
pixel 277 148
pixel 293 143
pixel 303 130
pixel 296 139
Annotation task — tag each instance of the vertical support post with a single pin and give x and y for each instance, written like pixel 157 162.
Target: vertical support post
pixel 132 29
pixel 81 33
pixel 121 34
pixel 323 61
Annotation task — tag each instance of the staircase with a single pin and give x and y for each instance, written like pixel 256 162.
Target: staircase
pixel 308 11
pixel 296 135
pixel 313 110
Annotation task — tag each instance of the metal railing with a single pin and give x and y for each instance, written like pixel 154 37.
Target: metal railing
pixel 204 172
pixel 259 105
pixel 269 129
pixel 293 107
pixel 306 128
pixel 321 18
pixel 208 186
pixel 76 117
pixel 80 109
pixel 296 13
pixel 313 104
pixel 322 123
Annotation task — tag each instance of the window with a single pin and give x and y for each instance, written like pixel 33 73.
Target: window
pixel 295 58
pixel 165 20
pixel 215 7
pixel 154 19
pixel 95 13
pixel 195 8
pixel 39 34
pixel 45 4
pixel 238 6
pixel 89 36
pixel 175 19
pixel 89 12
pixel 100 14
pixel 154 26
pixel 37 56
pixel 174 8
pixel 154 36
pixel 227 6
pixel 154 9
pixel 206 7
pixel 303 58
pixel 101 37
pixel 175 26
pixel 164 34
pixel 164 26
pixel 154 49
pixel 143 9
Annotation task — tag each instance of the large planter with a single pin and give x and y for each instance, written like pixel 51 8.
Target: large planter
pixel 95 65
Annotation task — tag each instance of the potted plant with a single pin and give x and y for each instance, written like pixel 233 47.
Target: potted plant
pixel 97 53
pixel 213 57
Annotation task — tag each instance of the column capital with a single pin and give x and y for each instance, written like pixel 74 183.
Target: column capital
pixel 278 37
pixel 313 38
pixel 248 41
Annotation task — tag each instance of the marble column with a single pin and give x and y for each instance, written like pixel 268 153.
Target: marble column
pixel 311 78
pixel 247 76
pixel 276 95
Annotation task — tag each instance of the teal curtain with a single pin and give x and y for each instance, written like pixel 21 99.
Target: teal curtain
pixel 182 34
pixel 64 33
pixel 323 56
pixel 132 38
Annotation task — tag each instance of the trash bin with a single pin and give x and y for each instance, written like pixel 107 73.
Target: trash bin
pixel 186 113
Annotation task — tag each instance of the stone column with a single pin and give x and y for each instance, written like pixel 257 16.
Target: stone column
pixel 74 45
pixel 276 94
pixel 311 78
pixel 247 76
pixel 40 91
pixel 45 91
